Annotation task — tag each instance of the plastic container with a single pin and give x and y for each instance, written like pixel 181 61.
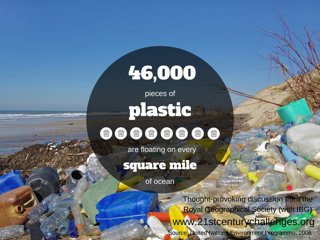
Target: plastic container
pixel 95 193
pixel 294 111
pixel 312 171
pixel 10 232
pixel 120 207
pixel 15 206
pixel 44 181
pixel 10 181
pixel 127 230
pixel 177 222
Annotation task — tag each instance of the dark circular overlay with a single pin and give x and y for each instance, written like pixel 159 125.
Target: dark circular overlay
pixel 176 90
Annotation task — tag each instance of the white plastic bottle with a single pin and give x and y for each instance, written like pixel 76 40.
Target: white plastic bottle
pixel 124 231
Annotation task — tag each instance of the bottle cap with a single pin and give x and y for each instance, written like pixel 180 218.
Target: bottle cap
pixel 314 213
pixel 289 187
pixel 167 237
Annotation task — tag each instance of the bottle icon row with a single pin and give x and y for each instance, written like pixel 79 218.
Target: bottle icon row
pixel 151 133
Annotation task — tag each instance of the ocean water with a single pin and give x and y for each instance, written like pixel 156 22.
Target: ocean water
pixel 19 129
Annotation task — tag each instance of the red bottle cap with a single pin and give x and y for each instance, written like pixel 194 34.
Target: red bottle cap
pixel 289 187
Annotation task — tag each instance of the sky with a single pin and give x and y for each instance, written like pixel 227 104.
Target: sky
pixel 53 52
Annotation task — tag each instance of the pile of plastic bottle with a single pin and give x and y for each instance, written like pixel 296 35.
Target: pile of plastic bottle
pixel 275 167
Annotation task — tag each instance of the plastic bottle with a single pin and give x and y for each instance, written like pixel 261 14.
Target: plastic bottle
pixel 128 223
pixel 59 203
pixel 37 211
pixel 232 177
pixel 80 189
pixel 96 168
pixel 157 227
pixel 164 206
pixel 63 227
pixel 177 221
pixel 125 230
pixel 312 171
pixel 49 225
pixel 12 231
pixel 268 184
pixel 73 233
pixel 285 225
pixel 294 178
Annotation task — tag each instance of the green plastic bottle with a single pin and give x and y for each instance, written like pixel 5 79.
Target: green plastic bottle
pixel 292 223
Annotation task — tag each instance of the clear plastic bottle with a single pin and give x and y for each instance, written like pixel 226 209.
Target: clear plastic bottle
pixel 13 231
pixel 63 227
pixel 37 211
pixel 129 223
pixel 95 167
pixel 65 203
pixel 80 189
pixel 164 206
pixel 49 225
pixel 51 197
pixel 232 177
pixel 268 184
pixel 295 180
pixel 124 231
